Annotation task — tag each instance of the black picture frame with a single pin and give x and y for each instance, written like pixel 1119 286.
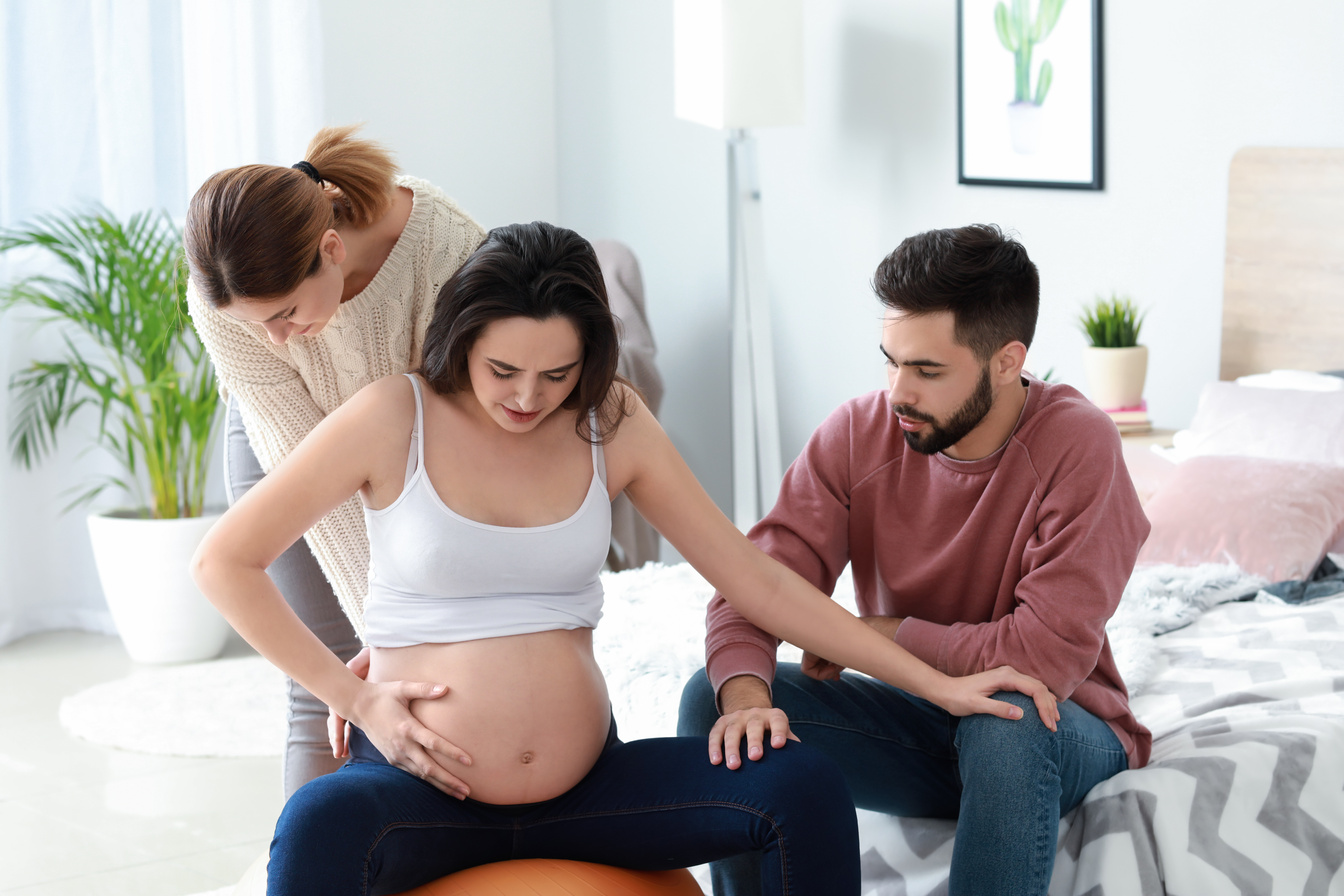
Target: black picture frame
pixel 1004 140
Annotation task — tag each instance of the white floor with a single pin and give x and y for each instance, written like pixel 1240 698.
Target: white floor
pixel 77 819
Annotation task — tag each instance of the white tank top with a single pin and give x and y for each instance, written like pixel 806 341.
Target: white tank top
pixel 437 577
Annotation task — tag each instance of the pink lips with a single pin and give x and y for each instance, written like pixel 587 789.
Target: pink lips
pixel 909 425
pixel 517 417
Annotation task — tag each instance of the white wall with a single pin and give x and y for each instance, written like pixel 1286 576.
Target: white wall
pixel 1186 84
pixel 631 171
pixel 460 90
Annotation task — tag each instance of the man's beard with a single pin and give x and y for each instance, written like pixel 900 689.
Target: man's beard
pixel 941 436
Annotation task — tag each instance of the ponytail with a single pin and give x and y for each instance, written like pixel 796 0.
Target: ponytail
pixel 253 232
pixel 361 169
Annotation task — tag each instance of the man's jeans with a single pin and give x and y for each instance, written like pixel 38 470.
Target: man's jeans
pixel 1007 782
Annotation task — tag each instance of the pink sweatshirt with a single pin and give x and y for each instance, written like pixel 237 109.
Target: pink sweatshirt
pixel 1015 559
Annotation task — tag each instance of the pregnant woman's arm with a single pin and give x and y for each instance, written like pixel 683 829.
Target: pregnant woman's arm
pixel 351 450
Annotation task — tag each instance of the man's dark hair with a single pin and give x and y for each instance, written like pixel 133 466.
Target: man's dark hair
pixel 983 277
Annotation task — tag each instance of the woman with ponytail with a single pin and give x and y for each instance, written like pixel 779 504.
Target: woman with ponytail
pixel 307 284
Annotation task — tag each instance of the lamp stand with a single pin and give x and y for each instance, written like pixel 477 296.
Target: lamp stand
pixel 755 406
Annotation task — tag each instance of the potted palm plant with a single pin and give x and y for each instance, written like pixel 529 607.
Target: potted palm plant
pixel 1114 363
pixel 117 292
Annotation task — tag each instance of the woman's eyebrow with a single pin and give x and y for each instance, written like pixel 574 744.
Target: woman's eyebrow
pixel 504 366
pixel 276 316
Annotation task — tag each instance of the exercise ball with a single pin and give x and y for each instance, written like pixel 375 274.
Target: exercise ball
pixel 557 877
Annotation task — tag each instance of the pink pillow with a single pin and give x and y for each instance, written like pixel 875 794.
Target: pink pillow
pixel 1271 518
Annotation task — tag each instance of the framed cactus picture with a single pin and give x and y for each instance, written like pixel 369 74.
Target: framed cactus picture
pixel 1029 98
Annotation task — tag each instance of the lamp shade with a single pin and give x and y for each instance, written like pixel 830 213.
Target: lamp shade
pixel 739 63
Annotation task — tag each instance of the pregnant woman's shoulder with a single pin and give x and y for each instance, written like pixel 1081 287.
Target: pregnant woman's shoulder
pixel 389 400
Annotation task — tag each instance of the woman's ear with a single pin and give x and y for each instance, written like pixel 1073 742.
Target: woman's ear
pixel 332 246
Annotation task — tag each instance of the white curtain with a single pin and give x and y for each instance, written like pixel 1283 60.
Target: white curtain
pixel 253 82
pixel 129 104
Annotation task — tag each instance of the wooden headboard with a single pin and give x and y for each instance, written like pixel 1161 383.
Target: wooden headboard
pixel 1283 284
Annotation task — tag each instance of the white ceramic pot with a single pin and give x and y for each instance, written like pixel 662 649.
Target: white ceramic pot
pixel 159 612
pixel 1115 376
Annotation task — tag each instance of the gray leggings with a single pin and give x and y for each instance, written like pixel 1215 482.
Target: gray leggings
pixel 306 590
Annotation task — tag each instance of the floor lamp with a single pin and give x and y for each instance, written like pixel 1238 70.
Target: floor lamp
pixel 739 65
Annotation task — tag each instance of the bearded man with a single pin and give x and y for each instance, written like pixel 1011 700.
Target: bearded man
pixel 989 520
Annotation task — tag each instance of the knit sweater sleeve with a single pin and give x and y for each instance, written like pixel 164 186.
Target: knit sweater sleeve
pixel 278 411
pixel 807 531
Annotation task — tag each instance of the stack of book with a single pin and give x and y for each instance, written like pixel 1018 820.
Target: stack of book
pixel 1131 419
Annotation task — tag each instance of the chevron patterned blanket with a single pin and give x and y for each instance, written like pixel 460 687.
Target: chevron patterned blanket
pixel 1245 791
pixel 1243 795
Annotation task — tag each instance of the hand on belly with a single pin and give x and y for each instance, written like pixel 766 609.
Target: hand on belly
pixel 530 710
pixel 522 752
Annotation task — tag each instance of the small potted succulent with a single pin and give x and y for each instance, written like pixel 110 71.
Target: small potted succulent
pixel 1114 362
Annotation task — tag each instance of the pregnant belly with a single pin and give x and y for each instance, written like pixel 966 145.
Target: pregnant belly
pixel 530 710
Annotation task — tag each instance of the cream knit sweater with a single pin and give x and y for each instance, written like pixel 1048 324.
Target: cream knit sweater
pixel 283 391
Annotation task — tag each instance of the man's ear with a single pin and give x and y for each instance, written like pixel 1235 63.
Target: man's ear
pixel 1006 365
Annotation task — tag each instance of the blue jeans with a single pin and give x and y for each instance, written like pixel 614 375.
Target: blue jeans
pixel 371 828
pixel 1007 782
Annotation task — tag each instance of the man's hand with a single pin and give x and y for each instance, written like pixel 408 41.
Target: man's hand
pixel 825 670
pixel 746 711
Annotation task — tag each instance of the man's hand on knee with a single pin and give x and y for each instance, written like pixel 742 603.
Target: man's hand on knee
pixel 746 713
pixel 725 738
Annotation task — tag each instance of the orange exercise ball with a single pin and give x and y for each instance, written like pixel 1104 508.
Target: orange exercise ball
pixel 558 877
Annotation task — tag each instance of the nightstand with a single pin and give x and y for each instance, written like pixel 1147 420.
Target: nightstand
pixel 1160 437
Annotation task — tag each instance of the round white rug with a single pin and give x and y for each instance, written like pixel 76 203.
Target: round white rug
pixel 232 707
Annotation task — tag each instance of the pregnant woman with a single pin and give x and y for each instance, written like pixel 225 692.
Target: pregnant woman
pixel 483 730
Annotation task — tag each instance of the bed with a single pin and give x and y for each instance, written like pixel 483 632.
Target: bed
pixel 1231 632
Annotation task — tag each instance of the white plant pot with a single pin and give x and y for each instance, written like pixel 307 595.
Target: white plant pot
pixel 1115 376
pixel 159 612
pixel 1024 126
